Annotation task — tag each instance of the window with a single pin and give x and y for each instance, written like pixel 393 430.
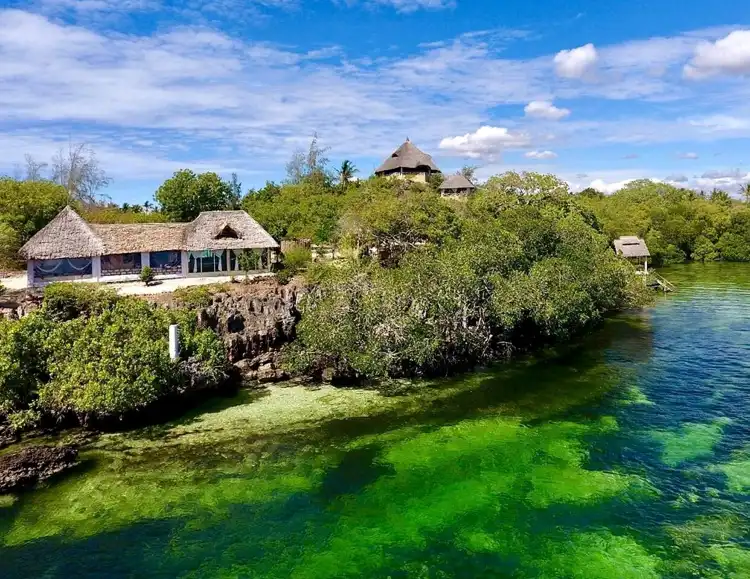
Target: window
pixel 227 233
pixel 166 261
pixel 51 268
pixel 121 264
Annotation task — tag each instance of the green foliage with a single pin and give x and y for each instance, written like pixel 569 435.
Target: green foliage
pixel 523 268
pixel 125 214
pixel 147 275
pixel 250 260
pixel 677 224
pixel 66 301
pixel 108 359
pixel 297 258
pixel 23 360
pixel 25 207
pixel 184 195
pixel 199 296
pixel 117 361
pixel 704 249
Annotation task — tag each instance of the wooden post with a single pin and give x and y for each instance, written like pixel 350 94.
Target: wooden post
pixel 174 342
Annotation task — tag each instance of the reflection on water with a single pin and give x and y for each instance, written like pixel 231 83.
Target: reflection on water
pixel 626 454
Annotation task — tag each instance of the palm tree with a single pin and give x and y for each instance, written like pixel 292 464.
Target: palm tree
pixel 346 172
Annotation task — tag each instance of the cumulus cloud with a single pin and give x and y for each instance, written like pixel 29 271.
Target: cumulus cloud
pixel 575 63
pixel 676 179
pixel 541 155
pixel 727 56
pixel 691 156
pixel 727 179
pixel 545 110
pixel 609 187
pixel 486 142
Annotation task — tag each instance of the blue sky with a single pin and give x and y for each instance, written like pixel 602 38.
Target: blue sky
pixel 596 92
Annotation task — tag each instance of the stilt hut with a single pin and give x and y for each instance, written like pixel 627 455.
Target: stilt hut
pixel 633 249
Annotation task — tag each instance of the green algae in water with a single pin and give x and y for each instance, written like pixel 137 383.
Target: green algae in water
pixel 690 441
pixel 537 469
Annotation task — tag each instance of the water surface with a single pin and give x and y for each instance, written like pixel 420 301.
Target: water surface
pixel 625 455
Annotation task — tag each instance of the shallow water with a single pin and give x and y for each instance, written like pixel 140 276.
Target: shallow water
pixel 626 455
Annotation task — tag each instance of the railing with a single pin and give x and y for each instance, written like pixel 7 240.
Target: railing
pixel 663 282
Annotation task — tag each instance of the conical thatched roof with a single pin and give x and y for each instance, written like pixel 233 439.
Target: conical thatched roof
pixel 67 235
pixel 631 246
pixel 226 230
pixel 407 156
pixel 456 182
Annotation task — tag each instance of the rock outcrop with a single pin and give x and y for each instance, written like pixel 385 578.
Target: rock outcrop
pixel 25 468
pixel 255 328
pixel 15 305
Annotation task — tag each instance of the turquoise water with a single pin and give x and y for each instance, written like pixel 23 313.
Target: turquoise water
pixel 624 455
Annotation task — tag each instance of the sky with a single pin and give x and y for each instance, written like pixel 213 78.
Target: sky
pixel 596 92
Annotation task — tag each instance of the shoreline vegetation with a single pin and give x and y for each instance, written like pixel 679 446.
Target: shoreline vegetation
pixel 426 286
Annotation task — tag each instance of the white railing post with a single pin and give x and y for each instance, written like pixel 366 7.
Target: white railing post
pixel 174 342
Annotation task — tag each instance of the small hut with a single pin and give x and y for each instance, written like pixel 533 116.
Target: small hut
pixel 457 186
pixel 633 249
pixel 408 162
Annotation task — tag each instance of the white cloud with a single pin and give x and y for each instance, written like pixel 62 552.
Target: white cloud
pixel 609 188
pixel 485 142
pixel 674 179
pixel 545 110
pixel 727 56
pixel 414 5
pixel 691 156
pixel 541 155
pixel 577 62
pixel 729 180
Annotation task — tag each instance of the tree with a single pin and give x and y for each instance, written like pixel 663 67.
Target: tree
pixel 78 170
pixel 745 191
pixel 468 171
pixel 311 164
pixel 721 197
pixel 34 169
pixel 184 195
pixel 236 188
pixel 346 172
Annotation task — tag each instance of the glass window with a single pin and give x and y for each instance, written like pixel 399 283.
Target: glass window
pixel 81 267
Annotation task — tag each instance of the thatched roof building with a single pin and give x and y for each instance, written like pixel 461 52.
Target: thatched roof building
pixel 456 186
pixel 408 159
pixel 69 236
pixel 631 246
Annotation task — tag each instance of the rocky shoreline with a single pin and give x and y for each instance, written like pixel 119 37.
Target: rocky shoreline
pixel 27 467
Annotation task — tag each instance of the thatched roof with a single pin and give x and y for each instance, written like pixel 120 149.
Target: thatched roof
pixel 226 230
pixel 456 182
pixel 136 237
pixel 631 246
pixel 407 156
pixel 69 236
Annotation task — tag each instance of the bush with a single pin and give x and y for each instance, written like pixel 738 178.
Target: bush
pixel 2 289
pixel 147 275
pixel 104 364
pixel 118 361
pixel 199 296
pixel 66 301
pixel 23 360
pixel 519 276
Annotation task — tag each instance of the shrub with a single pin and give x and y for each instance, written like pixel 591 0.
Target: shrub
pixel 118 361
pixel 66 301
pixel 193 297
pixel 2 289
pixel 23 360
pixel 147 275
